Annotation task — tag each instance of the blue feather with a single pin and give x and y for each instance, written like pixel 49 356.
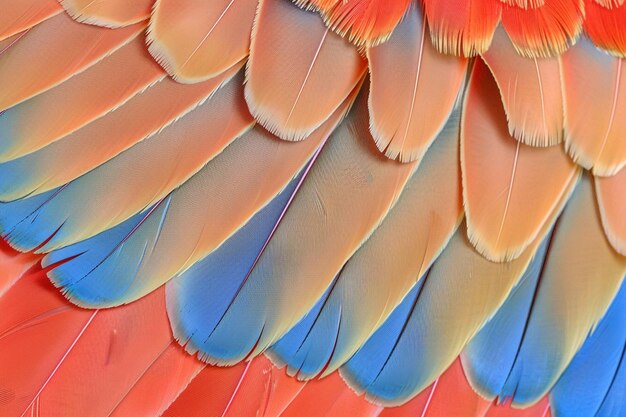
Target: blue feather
pixel 490 356
pixel 584 387
pixel 200 298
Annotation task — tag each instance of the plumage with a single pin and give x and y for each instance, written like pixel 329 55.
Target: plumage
pixel 173 221
pixel 605 27
pixel 413 89
pixel 594 134
pixel 61 46
pixel 70 349
pixel 195 40
pixel 299 71
pixel 544 31
pixel 365 22
pixel 287 240
pixel 208 328
pixel 33 124
pixel 525 4
pixel 435 321
pixel 379 275
pixel 490 355
pixel 109 13
pixel 14 266
pixel 531 92
pixel 79 210
pixel 462 27
pixel 453 384
pixel 584 387
pixel 210 392
pixel 579 279
pixel 368 186
pixel 510 190
pixel 18 16
pixel 611 195
pixel 141 117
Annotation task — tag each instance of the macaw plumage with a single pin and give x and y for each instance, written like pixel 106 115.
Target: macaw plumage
pixel 312 208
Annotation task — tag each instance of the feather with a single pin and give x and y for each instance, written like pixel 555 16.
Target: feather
pixel 510 190
pixel 365 22
pixel 195 40
pixel 34 123
pixel 247 389
pixel 187 225
pixel 434 322
pixel 299 72
pixel 544 31
pixel 579 279
pixel 531 92
pixel 199 299
pixel 614 403
pixel 11 41
pixel 18 16
pixel 349 176
pixel 594 134
pixel 526 4
pixel 413 89
pixel 61 46
pixel 462 27
pixel 451 395
pixel 541 409
pixel 79 361
pixel 14 265
pixel 605 26
pixel 611 194
pixel 209 393
pixel 82 209
pixel 222 329
pixel 263 389
pixel 109 13
pixel 329 397
pixel 159 385
pixel 607 4
pixel 583 387
pixel 142 117
pixel 401 249
pixel 412 408
pixel 489 357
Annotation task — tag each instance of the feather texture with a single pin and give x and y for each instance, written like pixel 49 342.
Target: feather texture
pixel 544 31
pixel 605 26
pixel 195 40
pixel 611 194
pixel 142 117
pixel 365 22
pixel 109 13
pixel 462 27
pixel 584 387
pixel 81 361
pixel 79 210
pixel 413 89
pixel 33 124
pixel 61 46
pixel 594 135
pixel 530 90
pixel 18 16
pixel 510 190
pixel 210 326
pixel 190 223
pixel 401 249
pixel 350 176
pixel 427 331
pixel 578 281
pixel 299 71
